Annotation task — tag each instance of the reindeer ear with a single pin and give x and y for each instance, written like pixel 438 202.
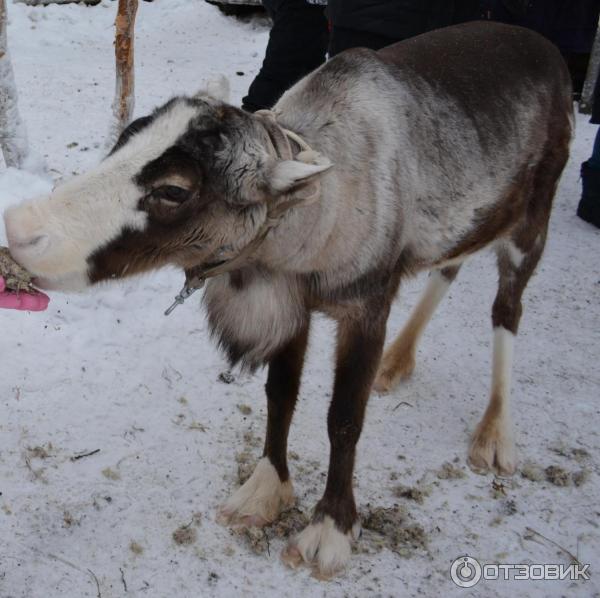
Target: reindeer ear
pixel 217 89
pixel 288 174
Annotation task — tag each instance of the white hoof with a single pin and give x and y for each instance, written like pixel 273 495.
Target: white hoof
pixel 493 448
pixel 323 546
pixel 259 500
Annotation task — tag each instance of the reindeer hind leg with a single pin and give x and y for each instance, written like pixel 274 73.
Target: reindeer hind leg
pixel 492 446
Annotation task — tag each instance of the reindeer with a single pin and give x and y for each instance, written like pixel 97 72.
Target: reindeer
pixel 376 166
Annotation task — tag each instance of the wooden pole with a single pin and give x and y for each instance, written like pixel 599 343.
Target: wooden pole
pixel 124 101
pixel 13 138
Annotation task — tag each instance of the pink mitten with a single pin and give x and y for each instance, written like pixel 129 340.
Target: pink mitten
pixel 37 301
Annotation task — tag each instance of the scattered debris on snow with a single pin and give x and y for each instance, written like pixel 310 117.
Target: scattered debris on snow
pixel 136 548
pixel 533 472
pixel 448 471
pixel 226 377
pixel 557 475
pixel 185 535
pixel 111 474
pixel 392 528
pixel 290 522
pixel 416 493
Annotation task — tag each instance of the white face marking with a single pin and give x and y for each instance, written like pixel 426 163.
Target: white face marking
pixel 90 210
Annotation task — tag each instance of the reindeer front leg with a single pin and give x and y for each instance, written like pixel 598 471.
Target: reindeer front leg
pixel 325 542
pixel 269 489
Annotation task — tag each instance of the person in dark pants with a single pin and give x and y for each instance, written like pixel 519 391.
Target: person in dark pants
pixel 297 45
pixel 589 204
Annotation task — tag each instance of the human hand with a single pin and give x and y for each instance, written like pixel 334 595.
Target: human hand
pixel 36 301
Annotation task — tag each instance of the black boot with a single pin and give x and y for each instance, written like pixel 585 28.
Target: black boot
pixel 589 205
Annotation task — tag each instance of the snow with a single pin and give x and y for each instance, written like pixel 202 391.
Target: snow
pixel 108 371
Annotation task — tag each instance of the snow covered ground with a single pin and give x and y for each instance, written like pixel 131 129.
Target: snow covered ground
pixel 108 372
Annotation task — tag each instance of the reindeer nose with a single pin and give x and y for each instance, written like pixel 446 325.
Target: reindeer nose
pixel 24 237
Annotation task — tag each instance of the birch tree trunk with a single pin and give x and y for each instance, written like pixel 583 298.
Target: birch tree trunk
pixel 13 137
pixel 587 99
pixel 124 101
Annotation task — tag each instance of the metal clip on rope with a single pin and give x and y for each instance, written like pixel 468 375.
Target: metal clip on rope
pixel 185 292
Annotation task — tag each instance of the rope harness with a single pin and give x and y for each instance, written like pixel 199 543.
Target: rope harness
pixel 280 147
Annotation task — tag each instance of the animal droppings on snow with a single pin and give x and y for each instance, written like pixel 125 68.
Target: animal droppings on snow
pixel 533 472
pixel 580 477
pixel 391 527
pixel 557 476
pixel 40 452
pixel 185 535
pixel 111 474
pixel 135 547
pixel 255 537
pixel 418 494
pixel 244 409
pixel 290 522
pixel 450 472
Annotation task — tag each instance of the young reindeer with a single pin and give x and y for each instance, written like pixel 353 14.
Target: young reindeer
pixel 423 153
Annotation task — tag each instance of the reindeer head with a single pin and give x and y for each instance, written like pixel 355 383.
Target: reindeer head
pixel 190 179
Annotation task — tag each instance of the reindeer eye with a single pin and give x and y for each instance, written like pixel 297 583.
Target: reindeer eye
pixel 171 193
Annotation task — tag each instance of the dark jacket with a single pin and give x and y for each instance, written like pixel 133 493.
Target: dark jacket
pixel 570 24
pixel 400 19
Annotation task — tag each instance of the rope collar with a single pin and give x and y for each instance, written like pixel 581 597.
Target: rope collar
pixel 280 141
